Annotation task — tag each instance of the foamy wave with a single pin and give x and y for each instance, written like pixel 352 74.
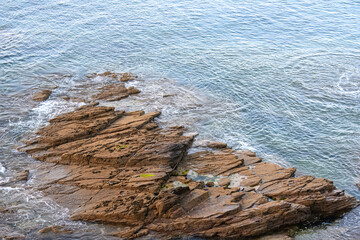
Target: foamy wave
pixel 349 84
pixel 2 169
pixel 45 111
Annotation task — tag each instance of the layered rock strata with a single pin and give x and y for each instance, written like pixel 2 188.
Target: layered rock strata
pixel 121 168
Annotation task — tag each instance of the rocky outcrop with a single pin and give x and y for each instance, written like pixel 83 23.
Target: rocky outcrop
pixel 41 96
pixel 122 168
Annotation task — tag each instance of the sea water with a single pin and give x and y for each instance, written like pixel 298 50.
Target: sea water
pixel 281 78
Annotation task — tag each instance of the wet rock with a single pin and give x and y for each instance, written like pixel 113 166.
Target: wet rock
pixel 66 98
pixel 276 236
pixel 41 96
pixel 210 144
pixel 168 95
pixel 114 92
pixel 123 77
pixel 22 176
pixel 55 229
pixel 18 177
pixel 5 210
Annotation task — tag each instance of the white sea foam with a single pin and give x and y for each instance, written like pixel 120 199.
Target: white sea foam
pixel 45 111
pixel 2 169
pixel 349 84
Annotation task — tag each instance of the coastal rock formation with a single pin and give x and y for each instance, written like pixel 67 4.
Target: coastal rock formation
pixel 122 168
pixel 41 96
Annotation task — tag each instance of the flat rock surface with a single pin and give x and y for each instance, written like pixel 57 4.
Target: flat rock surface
pixel 122 168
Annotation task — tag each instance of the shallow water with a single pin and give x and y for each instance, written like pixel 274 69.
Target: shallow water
pixel 278 77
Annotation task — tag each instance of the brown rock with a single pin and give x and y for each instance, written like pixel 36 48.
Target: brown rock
pixel 41 96
pixel 224 182
pixel 114 92
pixel 210 184
pixel 277 236
pixel 5 210
pixel 22 176
pixel 210 144
pixel 237 196
pixel 123 77
pixel 55 229
pixel 131 233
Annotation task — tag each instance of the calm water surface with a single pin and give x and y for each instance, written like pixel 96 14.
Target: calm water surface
pixel 278 77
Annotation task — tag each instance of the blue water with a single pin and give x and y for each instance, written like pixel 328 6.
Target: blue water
pixel 282 77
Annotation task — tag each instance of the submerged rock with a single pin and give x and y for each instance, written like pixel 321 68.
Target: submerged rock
pixel 22 175
pixel 55 229
pixel 278 236
pixel 8 233
pixel 41 96
pixel 121 167
pixel 5 210
pixel 115 92
pixel 123 77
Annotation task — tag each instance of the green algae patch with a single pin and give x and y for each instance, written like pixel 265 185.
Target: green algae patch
pixel 121 147
pixel 147 175
pixel 185 172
